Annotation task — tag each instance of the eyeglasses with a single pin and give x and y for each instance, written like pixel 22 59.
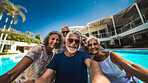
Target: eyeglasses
pixel 92 44
pixel 76 41
pixel 65 31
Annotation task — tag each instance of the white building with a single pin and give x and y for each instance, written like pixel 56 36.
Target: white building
pixel 76 28
pixel 131 23
pixel 15 46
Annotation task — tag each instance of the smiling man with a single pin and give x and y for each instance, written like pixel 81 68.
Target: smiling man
pixel 71 65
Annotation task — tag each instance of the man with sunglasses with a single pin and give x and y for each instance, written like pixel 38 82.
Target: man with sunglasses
pixel 71 65
pixel 64 32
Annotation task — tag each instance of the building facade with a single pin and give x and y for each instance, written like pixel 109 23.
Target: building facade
pixel 123 28
pixel 16 47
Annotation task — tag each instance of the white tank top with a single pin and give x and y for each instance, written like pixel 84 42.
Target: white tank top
pixel 113 72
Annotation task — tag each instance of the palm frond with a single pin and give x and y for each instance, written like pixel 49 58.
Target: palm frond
pixel 21 14
pixel 20 7
pixel 6 5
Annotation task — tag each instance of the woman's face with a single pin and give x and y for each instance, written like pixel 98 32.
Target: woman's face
pixel 54 41
pixel 93 46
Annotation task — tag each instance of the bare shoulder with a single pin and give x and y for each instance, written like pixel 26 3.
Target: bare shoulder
pixel 113 56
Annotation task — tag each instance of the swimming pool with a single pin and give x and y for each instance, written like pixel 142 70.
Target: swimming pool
pixel 7 62
pixel 136 56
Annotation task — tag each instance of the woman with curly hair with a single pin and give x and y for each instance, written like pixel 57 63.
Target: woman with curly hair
pixel 34 63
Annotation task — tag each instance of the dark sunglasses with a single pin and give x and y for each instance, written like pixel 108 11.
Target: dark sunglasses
pixel 92 44
pixel 65 32
pixel 84 40
pixel 76 41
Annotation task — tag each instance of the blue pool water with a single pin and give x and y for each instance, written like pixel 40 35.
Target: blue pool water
pixel 136 56
pixel 8 62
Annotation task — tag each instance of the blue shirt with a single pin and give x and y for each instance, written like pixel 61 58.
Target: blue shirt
pixel 70 69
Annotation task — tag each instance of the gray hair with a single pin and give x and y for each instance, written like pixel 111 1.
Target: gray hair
pixel 93 37
pixel 65 27
pixel 73 32
pixel 46 39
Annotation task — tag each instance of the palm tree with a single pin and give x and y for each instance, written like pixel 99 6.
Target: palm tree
pixel 13 11
pixel 38 36
pixel 4 7
pixel 1 13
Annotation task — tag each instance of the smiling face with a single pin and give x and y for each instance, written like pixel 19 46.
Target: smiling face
pixel 54 41
pixel 93 46
pixel 72 43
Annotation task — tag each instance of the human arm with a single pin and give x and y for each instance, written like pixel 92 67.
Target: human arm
pixel 16 71
pixel 95 72
pixel 25 62
pixel 49 73
pixel 46 77
pixel 134 69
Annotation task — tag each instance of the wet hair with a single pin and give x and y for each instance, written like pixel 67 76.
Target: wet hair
pixel 46 39
pixel 65 27
pixel 93 37
pixel 74 32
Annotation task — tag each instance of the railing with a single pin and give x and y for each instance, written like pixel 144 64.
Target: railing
pixel 125 28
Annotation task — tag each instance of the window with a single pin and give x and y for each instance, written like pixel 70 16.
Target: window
pixel 95 33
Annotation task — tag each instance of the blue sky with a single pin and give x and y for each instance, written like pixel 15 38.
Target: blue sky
pixel 44 16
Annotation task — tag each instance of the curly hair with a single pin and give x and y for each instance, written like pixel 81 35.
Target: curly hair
pixel 46 39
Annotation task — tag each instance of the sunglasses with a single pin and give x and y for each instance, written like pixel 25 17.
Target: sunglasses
pixel 65 32
pixel 76 41
pixel 84 40
pixel 92 44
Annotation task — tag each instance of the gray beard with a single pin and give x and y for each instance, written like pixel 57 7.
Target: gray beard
pixel 70 50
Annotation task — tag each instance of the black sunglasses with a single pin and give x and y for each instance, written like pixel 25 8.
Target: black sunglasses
pixel 76 41
pixel 92 44
pixel 65 32
pixel 84 40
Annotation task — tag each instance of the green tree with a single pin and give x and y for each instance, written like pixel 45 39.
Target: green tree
pixel 38 36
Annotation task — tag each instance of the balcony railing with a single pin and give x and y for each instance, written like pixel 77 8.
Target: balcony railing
pixel 125 28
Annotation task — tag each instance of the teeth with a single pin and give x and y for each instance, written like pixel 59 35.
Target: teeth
pixel 95 49
pixel 54 44
pixel 72 46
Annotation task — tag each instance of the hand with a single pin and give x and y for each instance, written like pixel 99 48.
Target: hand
pixel 128 75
